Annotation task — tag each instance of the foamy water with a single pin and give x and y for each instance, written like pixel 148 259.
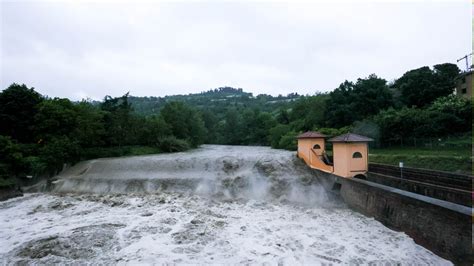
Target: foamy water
pixel 214 205
pixel 175 228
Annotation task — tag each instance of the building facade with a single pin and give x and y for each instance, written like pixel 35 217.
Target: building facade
pixel 464 84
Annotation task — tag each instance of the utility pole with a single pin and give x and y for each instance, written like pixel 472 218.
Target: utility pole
pixel 465 58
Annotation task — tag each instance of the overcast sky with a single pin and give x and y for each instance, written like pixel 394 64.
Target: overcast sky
pixel 79 50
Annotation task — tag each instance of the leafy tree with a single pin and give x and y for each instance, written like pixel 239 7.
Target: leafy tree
pixel 288 141
pixel 18 106
pixel 310 110
pixel 444 76
pixel 371 95
pixel 211 124
pixel 153 130
pixel 184 122
pixel 255 127
pixel 340 106
pixel 332 132
pixel 283 117
pixel 58 151
pixel 172 144
pixel 117 118
pixel 420 87
pixel 351 102
pixel 231 128
pixel 55 117
pixel 451 114
pixel 11 158
pixel 89 130
pixel 276 133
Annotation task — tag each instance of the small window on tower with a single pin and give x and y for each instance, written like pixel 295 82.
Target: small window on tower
pixel 357 155
pixel 316 147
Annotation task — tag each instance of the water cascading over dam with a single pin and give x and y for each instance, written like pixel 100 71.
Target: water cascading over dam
pixel 212 205
pixel 216 171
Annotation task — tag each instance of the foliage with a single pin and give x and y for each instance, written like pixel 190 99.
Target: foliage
pixel 11 158
pixel 54 117
pixel 18 106
pixel 7 182
pixel 276 133
pixel 288 141
pixel 184 122
pixel 58 151
pixel 310 110
pixel 90 129
pixel 117 120
pixel 355 101
pixel 173 144
pixel 420 87
pixel 447 115
pixel 102 152
pixel 38 135
pixel 332 132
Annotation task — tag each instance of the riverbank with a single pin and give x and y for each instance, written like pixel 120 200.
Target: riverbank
pixel 8 192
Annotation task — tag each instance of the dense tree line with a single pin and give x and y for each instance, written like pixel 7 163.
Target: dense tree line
pixel 39 134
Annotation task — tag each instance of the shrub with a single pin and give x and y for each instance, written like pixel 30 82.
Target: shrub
pixel 288 141
pixel 172 144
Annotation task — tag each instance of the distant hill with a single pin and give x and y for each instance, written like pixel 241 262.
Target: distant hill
pixel 217 99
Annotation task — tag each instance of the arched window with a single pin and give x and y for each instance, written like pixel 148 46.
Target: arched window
pixel 357 155
pixel 316 147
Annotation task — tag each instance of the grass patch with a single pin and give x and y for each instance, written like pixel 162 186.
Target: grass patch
pixel 412 151
pixel 450 160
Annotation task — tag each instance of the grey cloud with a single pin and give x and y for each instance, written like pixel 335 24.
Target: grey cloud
pixel 90 49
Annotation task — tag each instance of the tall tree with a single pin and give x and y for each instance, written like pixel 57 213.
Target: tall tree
pixel 55 117
pixel 232 128
pixel 351 102
pixel 18 106
pixel 420 87
pixel 117 118
pixel 184 122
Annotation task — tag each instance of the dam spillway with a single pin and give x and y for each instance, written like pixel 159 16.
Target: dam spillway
pixel 213 170
pixel 213 205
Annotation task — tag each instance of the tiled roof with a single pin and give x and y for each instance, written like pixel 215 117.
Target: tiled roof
pixel 350 137
pixel 311 135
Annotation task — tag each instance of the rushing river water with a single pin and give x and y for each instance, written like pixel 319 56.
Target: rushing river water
pixel 214 205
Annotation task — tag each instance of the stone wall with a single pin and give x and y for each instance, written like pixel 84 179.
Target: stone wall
pixel 440 226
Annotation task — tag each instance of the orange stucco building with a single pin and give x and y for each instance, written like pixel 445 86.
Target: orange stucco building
pixel 311 148
pixel 350 153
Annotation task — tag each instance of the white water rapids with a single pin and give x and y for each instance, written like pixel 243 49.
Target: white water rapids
pixel 213 205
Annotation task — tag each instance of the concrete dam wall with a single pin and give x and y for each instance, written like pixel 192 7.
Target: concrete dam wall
pixel 443 227
pixel 217 171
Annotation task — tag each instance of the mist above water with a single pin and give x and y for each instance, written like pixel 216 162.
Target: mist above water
pixel 226 172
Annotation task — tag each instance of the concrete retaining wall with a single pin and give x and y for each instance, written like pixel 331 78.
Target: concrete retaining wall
pixel 440 226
